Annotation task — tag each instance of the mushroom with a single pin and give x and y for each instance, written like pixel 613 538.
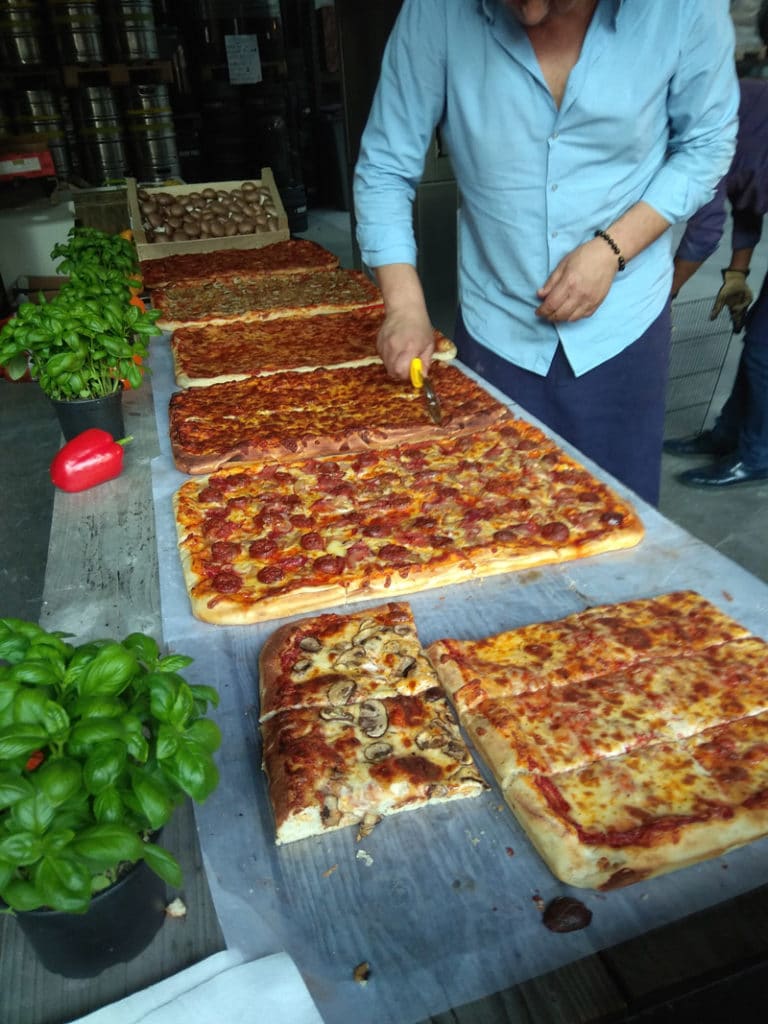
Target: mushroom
pixel 367 825
pixel 372 718
pixel 377 751
pixel 299 667
pixel 341 691
pixel 336 714
pixel 330 814
pixel 429 740
pixel 311 644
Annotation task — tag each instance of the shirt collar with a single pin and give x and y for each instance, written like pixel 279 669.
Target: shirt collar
pixel 490 9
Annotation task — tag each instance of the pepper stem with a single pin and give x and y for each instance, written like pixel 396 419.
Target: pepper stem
pixel 125 440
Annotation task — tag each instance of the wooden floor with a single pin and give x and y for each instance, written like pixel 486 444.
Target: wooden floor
pixel 711 967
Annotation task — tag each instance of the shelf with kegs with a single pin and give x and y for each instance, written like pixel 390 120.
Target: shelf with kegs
pixel 88 78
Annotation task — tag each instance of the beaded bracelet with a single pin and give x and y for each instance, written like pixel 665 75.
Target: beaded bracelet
pixel 607 238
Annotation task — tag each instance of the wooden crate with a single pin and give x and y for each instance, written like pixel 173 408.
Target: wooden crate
pixel 154 250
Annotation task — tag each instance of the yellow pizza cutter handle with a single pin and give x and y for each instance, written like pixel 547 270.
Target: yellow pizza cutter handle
pixel 417 373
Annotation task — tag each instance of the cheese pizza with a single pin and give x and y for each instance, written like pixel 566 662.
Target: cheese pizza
pixel 629 740
pixel 294 415
pixel 234 351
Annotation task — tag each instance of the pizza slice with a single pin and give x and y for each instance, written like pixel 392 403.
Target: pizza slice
pixel 264 298
pixel 589 643
pixel 294 256
pixel 237 350
pixel 333 660
pixel 331 767
pixel 323 412
pixel 647 812
pixel 561 728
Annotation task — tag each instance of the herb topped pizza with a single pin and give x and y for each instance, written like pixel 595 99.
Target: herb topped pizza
pixel 264 298
pixel 294 256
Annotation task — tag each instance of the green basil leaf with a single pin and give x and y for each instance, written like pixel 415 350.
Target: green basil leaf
pixel 205 695
pixel 104 766
pixel 144 647
pixel 167 742
pixel 22 896
pixel 194 771
pixel 104 846
pixel 64 882
pixel 110 671
pixel 17 740
pixel 97 707
pixel 174 662
pixel 164 864
pixel 32 814
pixel 59 779
pixel 206 733
pixel 13 788
pixel 20 848
pixel 35 673
pixel 108 806
pixel 154 804
pixel 87 734
pixel 162 689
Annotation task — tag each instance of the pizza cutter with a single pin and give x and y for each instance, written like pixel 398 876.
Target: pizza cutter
pixel 420 382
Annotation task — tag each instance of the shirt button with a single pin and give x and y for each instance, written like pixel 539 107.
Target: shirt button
pixel 554 234
pixel 554 188
pixel 555 135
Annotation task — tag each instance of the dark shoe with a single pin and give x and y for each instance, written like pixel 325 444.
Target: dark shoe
pixel 722 474
pixel 704 443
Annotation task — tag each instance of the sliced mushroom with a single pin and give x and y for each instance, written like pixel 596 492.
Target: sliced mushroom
pixel 437 790
pixel 406 666
pixel 403 630
pixel 465 775
pixel 367 629
pixel 458 752
pixel 377 751
pixel 367 825
pixel 311 644
pixel 330 814
pixel 336 715
pixel 299 667
pixel 427 739
pixel 341 691
pixel 372 718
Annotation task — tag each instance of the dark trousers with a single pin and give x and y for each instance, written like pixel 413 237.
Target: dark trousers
pixel 743 422
pixel 614 414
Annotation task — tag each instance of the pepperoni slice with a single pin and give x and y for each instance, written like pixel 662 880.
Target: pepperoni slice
pixel 270 574
pixel 224 550
pixel 510 534
pixel 555 532
pixel 395 554
pixel 227 581
pixel 312 542
pixel 329 565
pixel 262 548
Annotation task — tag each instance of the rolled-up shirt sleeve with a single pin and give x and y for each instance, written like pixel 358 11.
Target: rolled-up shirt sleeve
pixel 398 134
pixel 703 121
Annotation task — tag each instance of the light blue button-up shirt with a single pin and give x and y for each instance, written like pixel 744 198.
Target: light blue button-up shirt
pixel 649 113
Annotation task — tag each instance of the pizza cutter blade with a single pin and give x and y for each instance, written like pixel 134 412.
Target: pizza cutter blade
pixel 422 383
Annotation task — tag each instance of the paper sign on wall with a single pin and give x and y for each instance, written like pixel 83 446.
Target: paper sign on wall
pixel 243 59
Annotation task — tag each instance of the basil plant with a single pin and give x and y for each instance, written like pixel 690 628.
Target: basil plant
pixel 99 742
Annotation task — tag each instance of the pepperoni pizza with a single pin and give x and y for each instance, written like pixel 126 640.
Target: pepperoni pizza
pixel 270 539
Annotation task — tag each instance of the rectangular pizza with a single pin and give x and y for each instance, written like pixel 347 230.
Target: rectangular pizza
pixel 264 298
pixel 293 415
pixel 234 351
pixel 355 726
pixel 265 539
pixel 629 740
pixel 295 256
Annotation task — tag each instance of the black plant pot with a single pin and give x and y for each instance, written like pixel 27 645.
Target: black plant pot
pixel 79 414
pixel 120 922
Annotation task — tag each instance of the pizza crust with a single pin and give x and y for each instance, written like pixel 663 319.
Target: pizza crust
pixel 604 867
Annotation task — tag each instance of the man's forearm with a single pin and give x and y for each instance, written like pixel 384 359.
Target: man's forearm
pixel 401 288
pixel 636 229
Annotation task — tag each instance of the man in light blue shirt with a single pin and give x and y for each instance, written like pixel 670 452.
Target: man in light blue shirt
pixel 579 131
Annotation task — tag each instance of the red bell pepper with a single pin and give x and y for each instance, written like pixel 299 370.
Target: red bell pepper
pixel 91 458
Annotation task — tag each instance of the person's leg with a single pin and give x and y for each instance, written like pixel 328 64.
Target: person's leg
pixel 614 414
pixel 748 405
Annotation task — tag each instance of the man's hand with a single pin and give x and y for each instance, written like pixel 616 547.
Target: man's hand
pixel 736 295
pixel 579 283
pixel 403 337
